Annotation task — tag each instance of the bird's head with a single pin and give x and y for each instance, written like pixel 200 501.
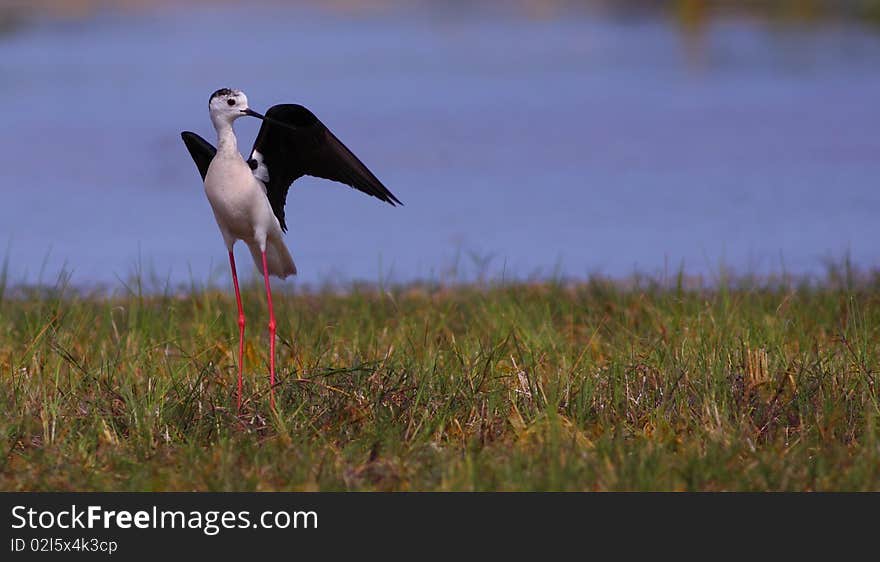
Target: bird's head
pixel 226 105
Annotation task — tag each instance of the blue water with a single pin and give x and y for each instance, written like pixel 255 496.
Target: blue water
pixel 565 147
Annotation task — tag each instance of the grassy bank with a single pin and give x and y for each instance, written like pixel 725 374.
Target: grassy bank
pixel 589 387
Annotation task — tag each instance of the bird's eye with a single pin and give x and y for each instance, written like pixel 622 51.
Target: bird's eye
pixel 230 101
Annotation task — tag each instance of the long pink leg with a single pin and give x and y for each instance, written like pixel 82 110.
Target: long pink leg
pixel 240 326
pixel 271 335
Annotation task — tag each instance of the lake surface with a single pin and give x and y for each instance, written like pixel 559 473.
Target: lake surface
pixel 567 146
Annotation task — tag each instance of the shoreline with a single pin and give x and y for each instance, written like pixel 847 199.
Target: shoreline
pixel 690 15
pixel 839 277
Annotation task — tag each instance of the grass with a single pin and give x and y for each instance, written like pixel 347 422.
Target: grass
pixel 596 386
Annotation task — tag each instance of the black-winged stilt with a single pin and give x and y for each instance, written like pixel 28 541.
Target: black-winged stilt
pixel 248 197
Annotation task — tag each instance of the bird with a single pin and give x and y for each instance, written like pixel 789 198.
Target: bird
pixel 248 196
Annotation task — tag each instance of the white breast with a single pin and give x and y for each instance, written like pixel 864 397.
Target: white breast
pixel 239 200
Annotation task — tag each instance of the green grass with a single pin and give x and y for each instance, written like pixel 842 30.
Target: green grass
pixel 598 386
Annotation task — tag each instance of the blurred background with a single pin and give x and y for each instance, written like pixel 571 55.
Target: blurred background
pixel 528 139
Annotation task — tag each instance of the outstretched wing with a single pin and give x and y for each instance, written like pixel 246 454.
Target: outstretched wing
pixel 201 151
pixel 293 143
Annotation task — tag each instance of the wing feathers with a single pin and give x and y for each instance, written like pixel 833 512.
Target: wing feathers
pixel 354 173
pixel 294 143
pixel 202 151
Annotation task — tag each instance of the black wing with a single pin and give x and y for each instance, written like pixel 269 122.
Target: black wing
pixel 201 151
pixel 293 143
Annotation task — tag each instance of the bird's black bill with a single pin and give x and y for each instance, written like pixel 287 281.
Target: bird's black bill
pixel 265 119
pixel 250 112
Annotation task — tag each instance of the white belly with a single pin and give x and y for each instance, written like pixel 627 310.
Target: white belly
pixel 239 201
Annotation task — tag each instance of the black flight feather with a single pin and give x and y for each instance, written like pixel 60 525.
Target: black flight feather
pixel 201 151
pixel 294 143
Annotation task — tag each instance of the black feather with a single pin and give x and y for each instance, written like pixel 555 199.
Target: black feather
pixel 294 143
pixel 220 92
pixel 202 151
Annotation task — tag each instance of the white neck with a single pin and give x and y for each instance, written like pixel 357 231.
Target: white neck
pixel 227 144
